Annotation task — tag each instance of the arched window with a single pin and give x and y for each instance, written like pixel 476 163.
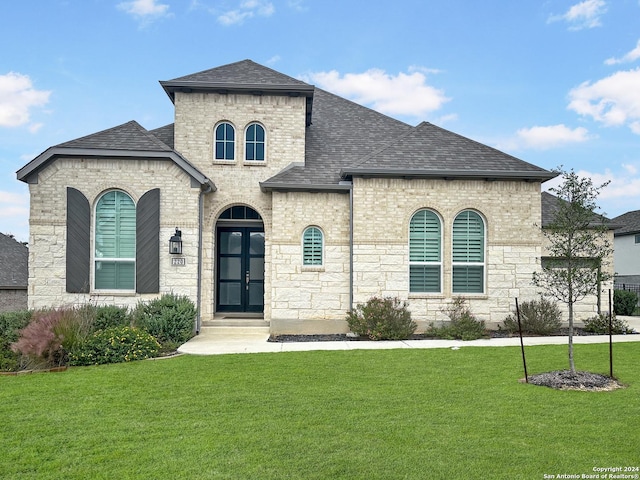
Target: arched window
pixel 468 253
pixel 225 142
pixel 115 242
pixel 254 150
pixel 312 244
pixel 425 253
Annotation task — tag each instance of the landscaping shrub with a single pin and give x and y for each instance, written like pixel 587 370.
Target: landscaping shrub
pixel 10 325
pixel 111 316
pixel 624 302
pixel 170 318
pixel 115 345
pixel 382 319
pixel 537 317
pixel 600 325
pixel 39 342
pixel 462 324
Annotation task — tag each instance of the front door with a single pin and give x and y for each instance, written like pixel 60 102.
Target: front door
pixel 240 254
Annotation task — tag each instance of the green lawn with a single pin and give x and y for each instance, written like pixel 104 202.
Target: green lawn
pixel 389 414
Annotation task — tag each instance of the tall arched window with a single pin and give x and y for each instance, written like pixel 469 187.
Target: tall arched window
pixel 425 253
pixel 115 242
pixel 312 243
pixel 225 142
pixel 468 253
pixel 254 146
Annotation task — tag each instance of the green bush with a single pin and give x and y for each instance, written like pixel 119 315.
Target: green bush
pixel 462 324
pixel 111 316
pixel 382 319
pixel 624 302
pixel 115 345
pixel 537 317
pixel 10 325
pixel 600 325
pixel 170 318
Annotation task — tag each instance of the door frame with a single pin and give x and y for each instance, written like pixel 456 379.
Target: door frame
pixel 247 227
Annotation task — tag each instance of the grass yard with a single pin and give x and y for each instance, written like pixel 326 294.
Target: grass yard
pixel 384 414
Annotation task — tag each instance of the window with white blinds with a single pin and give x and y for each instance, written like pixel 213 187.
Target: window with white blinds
pixel 425 253
pixel 312 246
pixel 115 242
pixel 468 253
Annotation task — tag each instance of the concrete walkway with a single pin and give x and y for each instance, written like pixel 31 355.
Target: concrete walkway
pixel 209 343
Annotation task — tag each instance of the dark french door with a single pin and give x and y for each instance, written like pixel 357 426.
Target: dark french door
pixel 240 267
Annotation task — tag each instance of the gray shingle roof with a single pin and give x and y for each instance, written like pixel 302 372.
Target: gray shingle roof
pixel 128 136
pixel 551 203
pixel 14 263
pixel 127 141
pixel 629 223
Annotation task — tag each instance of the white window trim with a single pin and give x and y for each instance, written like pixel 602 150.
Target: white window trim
pixel 222 161
pixel 483 264
pixel 439 263
pixel 313 267
pixel 256 163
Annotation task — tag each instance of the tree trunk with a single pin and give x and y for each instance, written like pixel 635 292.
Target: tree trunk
pixel 572 365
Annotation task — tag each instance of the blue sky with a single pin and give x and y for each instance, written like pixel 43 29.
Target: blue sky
pixel 553 82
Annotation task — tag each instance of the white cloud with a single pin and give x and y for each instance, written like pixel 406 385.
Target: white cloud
pixel 582 15
pixel 613 101
pixel 544 138
pixel 402 94
pixel 631 56
pixel 14 214
pixel 145 10
pixel 247 9
pixel 18 98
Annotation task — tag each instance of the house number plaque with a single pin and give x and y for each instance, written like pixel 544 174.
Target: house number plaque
pixel 178 261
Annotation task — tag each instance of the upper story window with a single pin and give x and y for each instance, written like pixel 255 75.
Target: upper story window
pixel 425 253
pixel 468 253
pixel 254 143
pixel 225 142
pixel 312 246
pixel 637 238
pixel 115 242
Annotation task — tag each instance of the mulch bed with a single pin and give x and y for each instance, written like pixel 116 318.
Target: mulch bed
pixel 584 381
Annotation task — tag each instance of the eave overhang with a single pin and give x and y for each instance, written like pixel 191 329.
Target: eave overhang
pixel 305 187
pixel 537 176
pixel 29 173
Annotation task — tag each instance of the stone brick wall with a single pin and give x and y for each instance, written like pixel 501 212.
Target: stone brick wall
pixel 12 300
pixel 238 181
pixel 383 209
pixel 47 243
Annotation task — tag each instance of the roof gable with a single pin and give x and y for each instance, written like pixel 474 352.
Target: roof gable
pixel 127 141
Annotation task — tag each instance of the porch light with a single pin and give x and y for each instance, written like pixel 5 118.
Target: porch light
pixel 175 243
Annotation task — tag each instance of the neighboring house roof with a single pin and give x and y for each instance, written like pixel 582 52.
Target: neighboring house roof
pixel 629 223
pixel 551 204
pixel 126 141
pixel 14 264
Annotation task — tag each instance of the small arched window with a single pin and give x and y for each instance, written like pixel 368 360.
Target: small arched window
pixel 425 252
pixel 312 243
pixel 254 145
pixel 468 253
pixel 225 142
pixel 115 242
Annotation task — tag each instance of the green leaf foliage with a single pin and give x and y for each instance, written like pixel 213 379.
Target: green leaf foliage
pixel 382 319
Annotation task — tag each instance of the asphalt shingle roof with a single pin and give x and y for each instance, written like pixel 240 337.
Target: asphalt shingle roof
pixel 128 136
pixel 629 223
pixel 14 263
pixel 551 204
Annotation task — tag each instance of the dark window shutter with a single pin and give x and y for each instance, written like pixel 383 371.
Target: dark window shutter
pixel 78 242
pixel 148 243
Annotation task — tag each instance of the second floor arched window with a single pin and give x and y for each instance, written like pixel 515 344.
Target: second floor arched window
pixel 254 143
pixel 225 142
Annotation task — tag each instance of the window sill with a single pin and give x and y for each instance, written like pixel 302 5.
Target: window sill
pixel 313 268
pixel 426 295
pixel 255 163
pixel 113 293
pixel 224 162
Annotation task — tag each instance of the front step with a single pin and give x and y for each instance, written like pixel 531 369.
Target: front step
pixel 235 325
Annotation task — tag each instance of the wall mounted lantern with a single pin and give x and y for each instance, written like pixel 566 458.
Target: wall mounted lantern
pixel 175 243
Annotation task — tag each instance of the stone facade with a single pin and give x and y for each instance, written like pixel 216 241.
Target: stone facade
pixel 364 218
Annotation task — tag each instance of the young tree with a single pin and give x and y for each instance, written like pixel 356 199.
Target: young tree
pixel 578 246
